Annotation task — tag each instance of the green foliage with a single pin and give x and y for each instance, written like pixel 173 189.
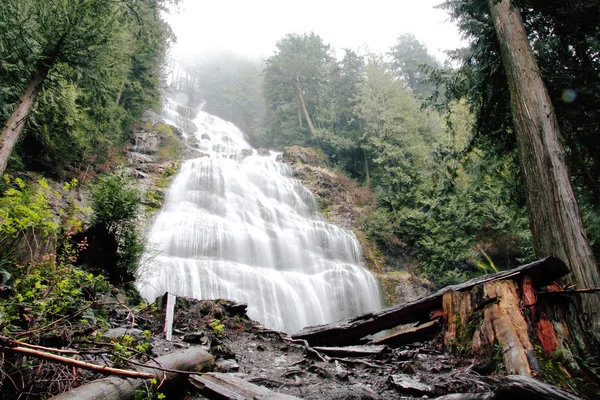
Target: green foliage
pixel 115 204
pixel 24 207
pixel 114 201
pixel 104 63
pixel 217 327
pixel 299 72
pixel 48 289
pixel 410 60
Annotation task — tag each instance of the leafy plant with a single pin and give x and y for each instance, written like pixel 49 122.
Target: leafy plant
pixel 50 288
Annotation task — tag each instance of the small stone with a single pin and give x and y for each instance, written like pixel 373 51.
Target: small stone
pixel 227 366
pixel 195 337
pixel 406 384
pixel 118 333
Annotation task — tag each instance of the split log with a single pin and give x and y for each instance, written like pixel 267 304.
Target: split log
pixel 422 332
pixel 352 351
pixel 522 387
pixel 503 322
pixel 352 331
pixel 194 359
pixel 228 387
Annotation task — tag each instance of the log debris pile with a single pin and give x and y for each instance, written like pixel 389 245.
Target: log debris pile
pixel 502 317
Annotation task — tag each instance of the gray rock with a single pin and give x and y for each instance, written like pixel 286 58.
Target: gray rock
pixel 196 337
pixel 118 333
pixel 406 384
pixel 227 366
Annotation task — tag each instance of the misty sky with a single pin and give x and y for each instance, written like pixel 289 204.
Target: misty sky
pixel 252 27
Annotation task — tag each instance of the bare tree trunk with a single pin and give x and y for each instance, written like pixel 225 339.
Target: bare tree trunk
pixel 556 221
pixel 14 126
pixel 300 114
pixel 367 173
pixel 311 127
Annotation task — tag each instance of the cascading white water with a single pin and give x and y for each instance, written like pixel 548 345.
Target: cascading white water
pixel 236 225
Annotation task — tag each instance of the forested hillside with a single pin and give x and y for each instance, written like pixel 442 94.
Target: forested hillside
pixel 436 143
pixel 462 167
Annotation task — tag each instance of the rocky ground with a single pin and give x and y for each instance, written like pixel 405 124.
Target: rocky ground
pixel 272 359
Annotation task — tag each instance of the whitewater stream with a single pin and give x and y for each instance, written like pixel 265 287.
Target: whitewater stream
pixel 237 225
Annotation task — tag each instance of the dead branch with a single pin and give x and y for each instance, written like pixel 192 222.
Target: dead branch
pixel 275 381
pixel 43 328
pixel 573 291
pixel 306 346
pixel 79 364
pixel 356 361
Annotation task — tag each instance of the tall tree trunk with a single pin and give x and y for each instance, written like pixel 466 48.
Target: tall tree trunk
pixel 311 127
pixel 556 221
pixel 367 173
pixel 14 126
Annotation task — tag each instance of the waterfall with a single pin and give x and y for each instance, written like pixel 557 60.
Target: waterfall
pixel 237 225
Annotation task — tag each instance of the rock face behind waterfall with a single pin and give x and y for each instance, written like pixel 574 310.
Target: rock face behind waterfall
pixel 346 204
pixel 236 225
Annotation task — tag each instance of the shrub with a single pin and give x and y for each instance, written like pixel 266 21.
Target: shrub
pixel 115 201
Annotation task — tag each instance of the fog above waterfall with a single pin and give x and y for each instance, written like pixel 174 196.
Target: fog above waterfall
pixel 253 27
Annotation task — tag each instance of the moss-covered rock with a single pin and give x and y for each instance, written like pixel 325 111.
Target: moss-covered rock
pixel 297 155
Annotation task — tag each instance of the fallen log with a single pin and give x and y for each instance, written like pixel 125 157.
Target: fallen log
pixel 422 332
pixel 353 351
pixel 522 387
pixel 228 387
pixel 350 332
pixel 194 359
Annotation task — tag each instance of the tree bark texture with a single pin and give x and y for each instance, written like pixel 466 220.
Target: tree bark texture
pixel 556 221
pixel 14 126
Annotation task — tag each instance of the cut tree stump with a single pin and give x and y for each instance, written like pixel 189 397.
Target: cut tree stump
pixel 229 387
pixel 194 359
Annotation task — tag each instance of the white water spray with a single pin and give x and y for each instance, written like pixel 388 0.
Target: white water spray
pixel 236 225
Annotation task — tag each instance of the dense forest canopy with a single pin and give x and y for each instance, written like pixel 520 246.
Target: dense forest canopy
pixel 435 142
pixel 91 69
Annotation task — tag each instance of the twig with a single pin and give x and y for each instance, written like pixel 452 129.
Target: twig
pixel 80 364
pixel 277 381
pixel 356 361
pixel 573 291
pixel 43 328
pixel 306 346
pixel 119 302
pixel 13 343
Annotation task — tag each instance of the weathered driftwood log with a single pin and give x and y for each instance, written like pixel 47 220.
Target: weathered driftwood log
pixel 417 333
pixel 352 331
pixel 228 387
pixel 194 359
pixel 517 387
pixel 522 387
pixel 352 351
